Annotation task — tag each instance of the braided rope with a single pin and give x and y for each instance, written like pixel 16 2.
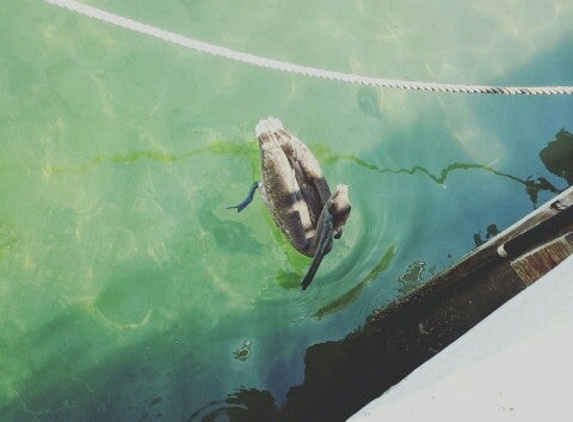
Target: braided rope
pixel 281 66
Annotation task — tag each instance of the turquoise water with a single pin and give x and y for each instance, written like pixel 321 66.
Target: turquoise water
pixel 129 292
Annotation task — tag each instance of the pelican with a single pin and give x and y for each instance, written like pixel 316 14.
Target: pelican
pixel 297 195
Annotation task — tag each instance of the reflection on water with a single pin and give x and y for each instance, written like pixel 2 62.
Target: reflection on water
pixel 490 232
pixel 557 156
pixel 243 406
pixel 340 377
pixel 244 351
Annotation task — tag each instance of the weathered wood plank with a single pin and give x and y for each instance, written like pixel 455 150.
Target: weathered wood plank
pixel 535 264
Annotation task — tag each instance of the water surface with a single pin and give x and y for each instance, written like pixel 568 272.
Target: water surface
pixel 129 292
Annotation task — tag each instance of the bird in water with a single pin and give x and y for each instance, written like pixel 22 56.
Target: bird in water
pixel 297 195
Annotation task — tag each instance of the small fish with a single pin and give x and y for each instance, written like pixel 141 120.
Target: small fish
pixel 297 195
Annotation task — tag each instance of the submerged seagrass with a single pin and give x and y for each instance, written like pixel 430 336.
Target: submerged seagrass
pixel 297 195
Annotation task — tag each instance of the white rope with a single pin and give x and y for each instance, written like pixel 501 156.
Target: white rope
pixel 281 66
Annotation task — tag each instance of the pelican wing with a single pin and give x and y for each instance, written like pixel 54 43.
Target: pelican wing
pixel 312 173
pixel 325 231
pixel 309 176
pixel 283 194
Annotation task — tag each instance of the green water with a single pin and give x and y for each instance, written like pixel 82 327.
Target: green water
pixel 128 292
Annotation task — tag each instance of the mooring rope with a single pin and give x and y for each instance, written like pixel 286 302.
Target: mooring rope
pixel 281 66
